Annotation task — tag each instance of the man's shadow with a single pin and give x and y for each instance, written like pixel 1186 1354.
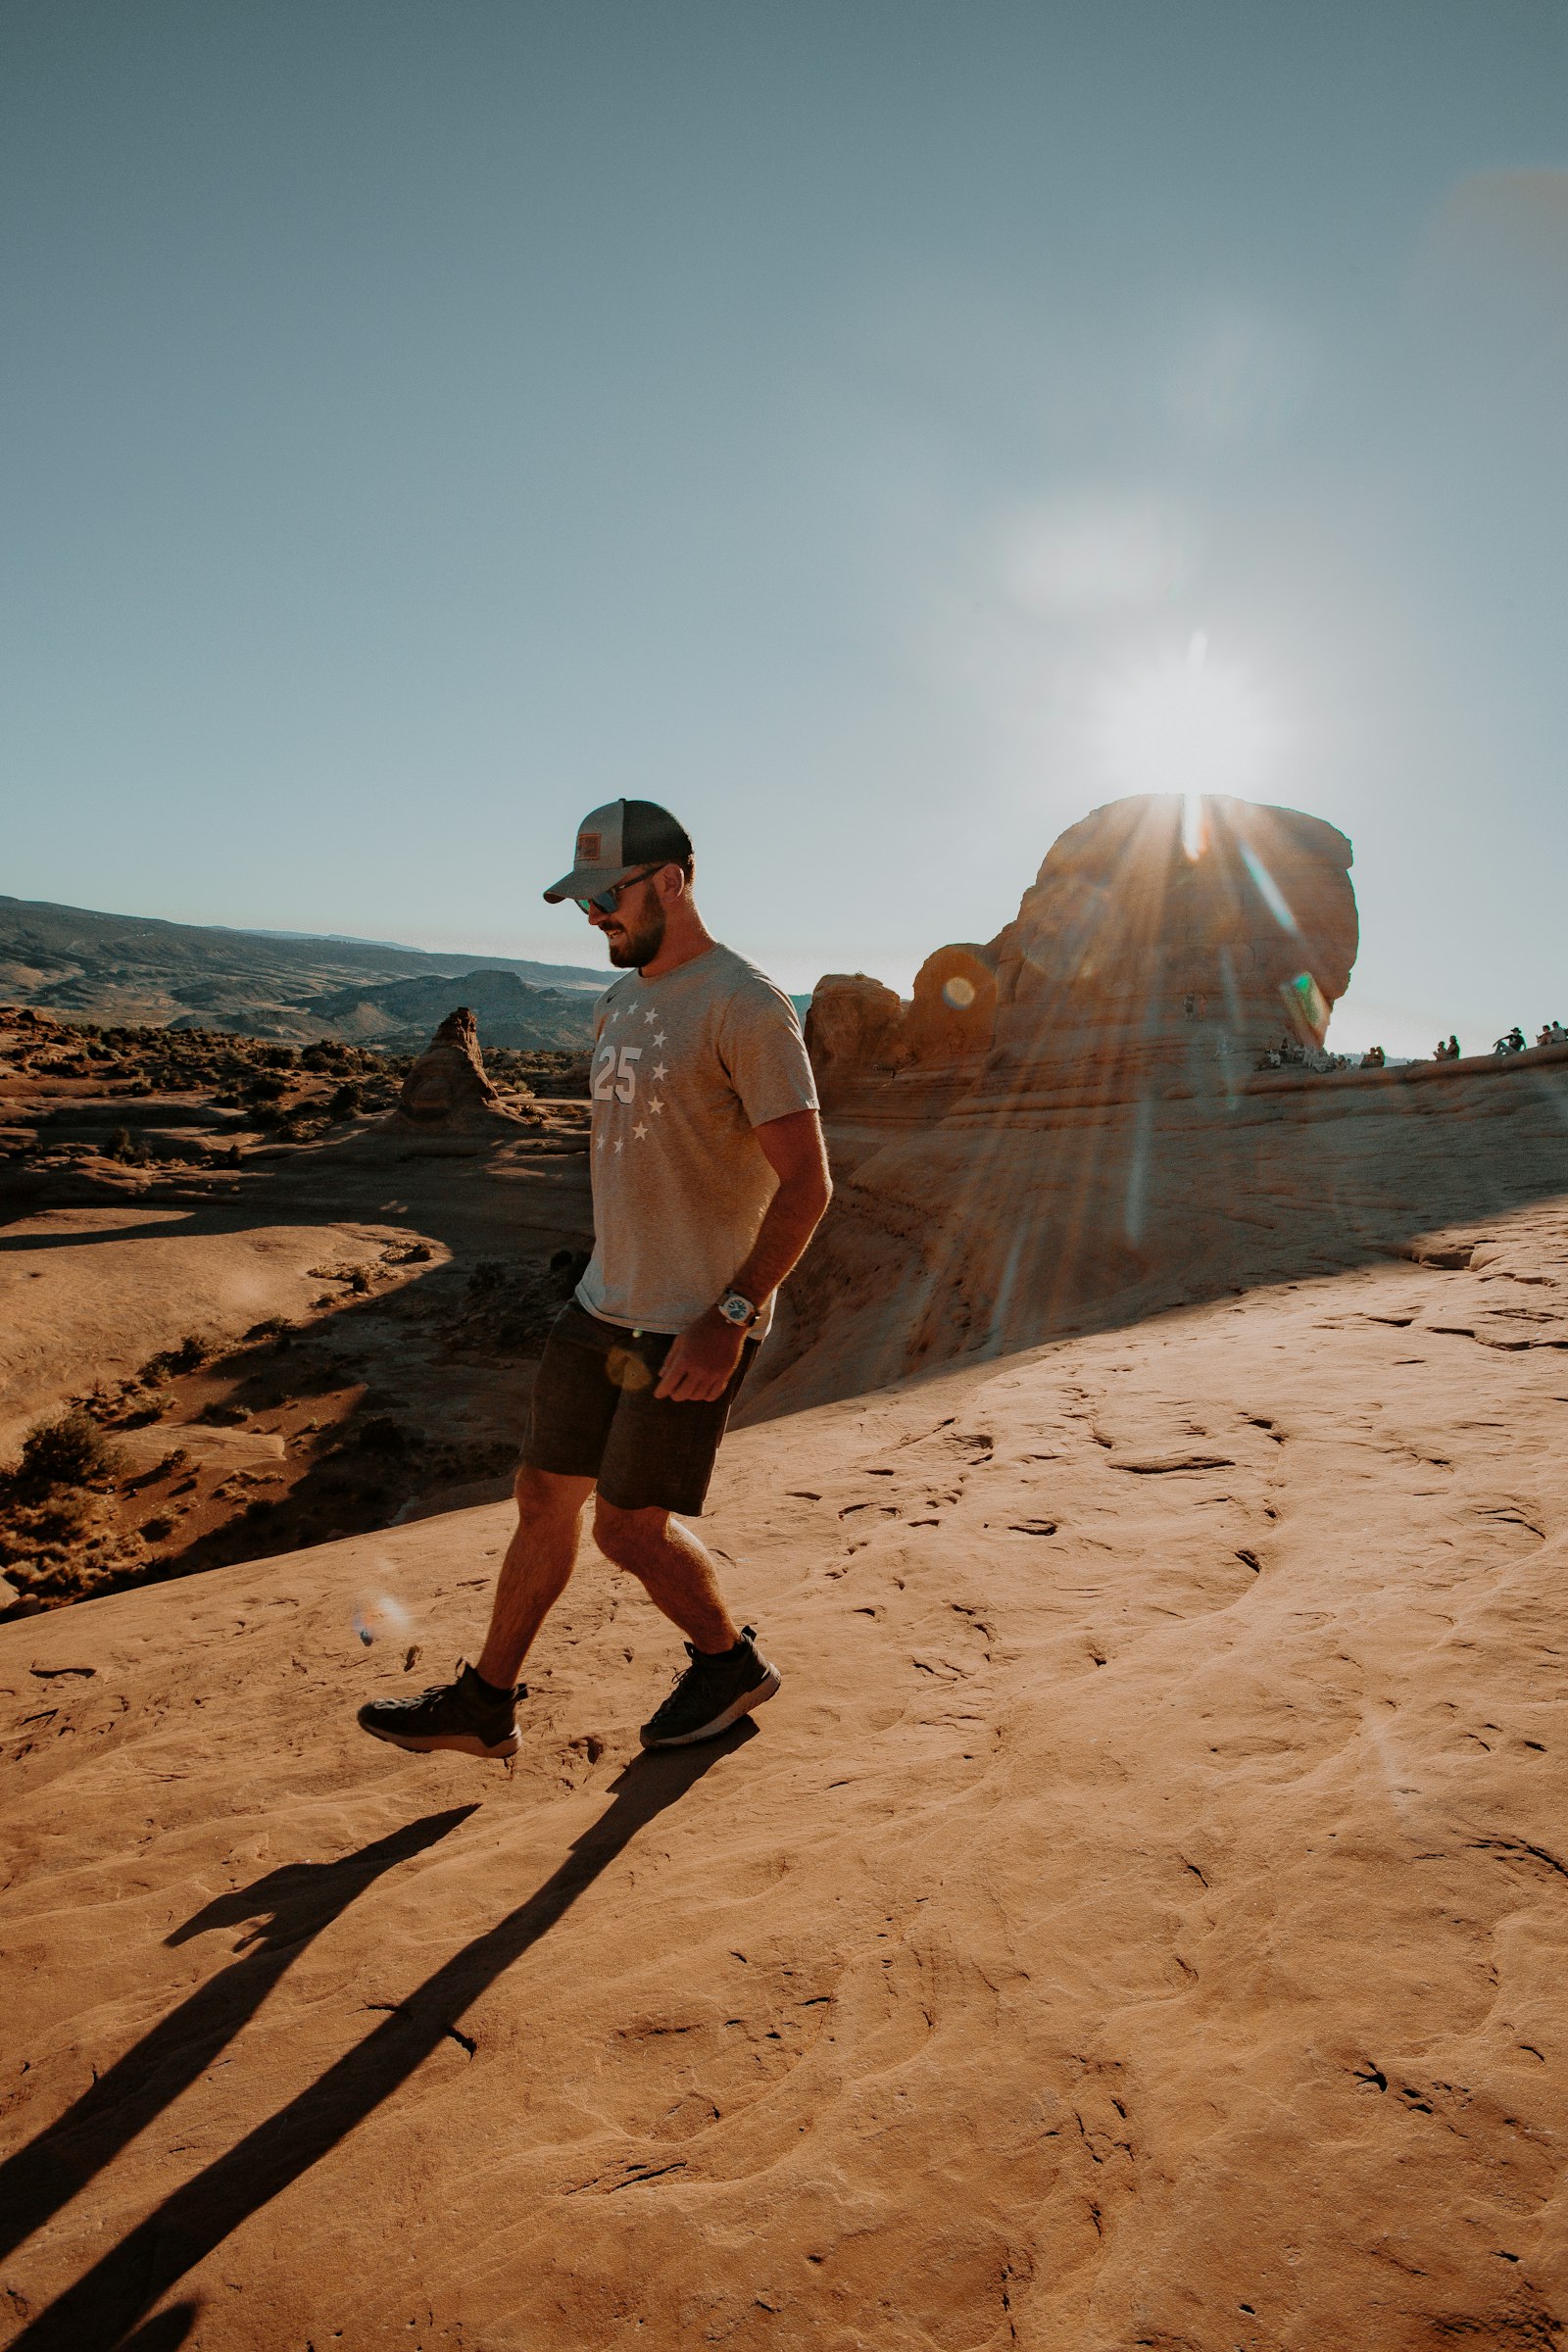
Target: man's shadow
pixel 107 2302
pixel 301 1899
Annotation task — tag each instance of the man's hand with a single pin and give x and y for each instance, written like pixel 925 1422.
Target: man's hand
pixel 700 1363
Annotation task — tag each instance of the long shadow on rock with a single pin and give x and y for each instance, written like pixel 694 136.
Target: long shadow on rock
pixel 110 2299
pixel 301 1898
pixel 166 2329
pixel 151 1231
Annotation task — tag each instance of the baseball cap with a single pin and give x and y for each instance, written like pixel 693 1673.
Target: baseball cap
pixel 613 842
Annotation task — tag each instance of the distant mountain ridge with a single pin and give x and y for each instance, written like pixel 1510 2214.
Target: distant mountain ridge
pixel 124 968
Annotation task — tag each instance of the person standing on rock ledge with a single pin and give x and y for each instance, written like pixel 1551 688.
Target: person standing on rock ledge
pixel 710 1177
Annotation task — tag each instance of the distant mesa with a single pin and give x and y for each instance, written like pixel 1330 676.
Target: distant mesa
pixel 137 971
pixel 1144 944
pixel 395 1014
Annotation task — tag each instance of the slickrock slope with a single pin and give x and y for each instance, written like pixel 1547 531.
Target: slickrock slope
pixel 1140 1921
pixel 1017 1210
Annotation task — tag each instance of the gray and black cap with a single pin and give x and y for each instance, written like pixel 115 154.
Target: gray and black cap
pixel 613 842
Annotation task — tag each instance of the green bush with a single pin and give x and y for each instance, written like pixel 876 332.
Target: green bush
pixel 68 1451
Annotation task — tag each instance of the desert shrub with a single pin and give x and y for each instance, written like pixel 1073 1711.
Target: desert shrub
pixel 158 1528
pixel 192 1351
pixel 48 1526
pixel 70 1451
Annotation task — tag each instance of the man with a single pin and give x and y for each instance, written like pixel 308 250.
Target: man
pixel 710 1178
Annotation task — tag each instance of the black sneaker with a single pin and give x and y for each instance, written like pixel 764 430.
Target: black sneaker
pixel 711 1694
pixel 459 1715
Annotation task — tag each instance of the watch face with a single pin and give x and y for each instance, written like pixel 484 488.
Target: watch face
pixel 736 1308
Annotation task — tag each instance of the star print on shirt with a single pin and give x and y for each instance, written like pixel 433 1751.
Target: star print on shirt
pixel 660 1073
pixel 659 1037
pixel 620 1146
pixel 655 1107
pixel 651 1015
pixel 640 1131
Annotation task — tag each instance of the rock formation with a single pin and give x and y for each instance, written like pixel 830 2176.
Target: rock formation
pixel 1070 1124
pixel 1142 943
pixel 1134 928
pixel 852 1025
pixel 448 1090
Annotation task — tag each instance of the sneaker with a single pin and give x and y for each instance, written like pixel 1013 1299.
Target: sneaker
pixel 458 1715
pixel 711 1694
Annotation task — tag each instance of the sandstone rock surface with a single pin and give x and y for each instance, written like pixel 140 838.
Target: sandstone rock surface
pixel 1139 1919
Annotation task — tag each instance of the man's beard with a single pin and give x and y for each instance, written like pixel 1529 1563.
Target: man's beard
pixel 640 946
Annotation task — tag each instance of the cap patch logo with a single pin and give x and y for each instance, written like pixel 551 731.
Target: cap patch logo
pixel 588 848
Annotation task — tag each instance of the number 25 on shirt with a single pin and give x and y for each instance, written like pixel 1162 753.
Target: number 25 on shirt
pixel 622 1081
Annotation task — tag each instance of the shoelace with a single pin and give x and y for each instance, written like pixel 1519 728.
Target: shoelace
pixel 440 1690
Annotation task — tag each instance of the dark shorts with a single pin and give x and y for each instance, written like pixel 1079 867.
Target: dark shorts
pixel 595 1416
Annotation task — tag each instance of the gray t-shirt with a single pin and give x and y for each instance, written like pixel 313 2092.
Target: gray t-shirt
pixel 683 1069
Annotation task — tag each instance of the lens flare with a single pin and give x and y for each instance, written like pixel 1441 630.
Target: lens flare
pixel 1186 724
pixel 1308 999
pixel 379 1616
pixel 1268 890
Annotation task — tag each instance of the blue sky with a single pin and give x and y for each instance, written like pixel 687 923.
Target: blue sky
pixel 421 423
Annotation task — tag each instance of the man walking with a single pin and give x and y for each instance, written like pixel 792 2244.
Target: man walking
pixel 710 1178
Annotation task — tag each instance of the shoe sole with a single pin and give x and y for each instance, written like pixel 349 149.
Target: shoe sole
pixel 458 1744
pixel 743 1706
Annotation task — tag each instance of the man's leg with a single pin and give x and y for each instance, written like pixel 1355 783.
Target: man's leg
pixel 728 1676
pixel 676 1571
pixel 476 1715
pixel 536 1570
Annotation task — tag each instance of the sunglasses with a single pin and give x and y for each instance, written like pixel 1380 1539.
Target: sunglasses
pixel 606 901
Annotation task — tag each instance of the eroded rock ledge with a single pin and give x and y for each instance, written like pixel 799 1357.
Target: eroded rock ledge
pixel 1142 945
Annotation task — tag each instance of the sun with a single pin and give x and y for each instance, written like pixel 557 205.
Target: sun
pixel 1184 724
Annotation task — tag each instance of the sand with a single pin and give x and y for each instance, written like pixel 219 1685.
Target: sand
pixel 1139 1920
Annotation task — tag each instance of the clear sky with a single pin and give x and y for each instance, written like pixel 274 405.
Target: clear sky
pixel 833 418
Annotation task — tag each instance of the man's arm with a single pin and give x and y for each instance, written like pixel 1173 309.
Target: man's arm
pixel 699 1366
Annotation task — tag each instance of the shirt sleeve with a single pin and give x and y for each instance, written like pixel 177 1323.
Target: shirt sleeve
pixel 764 1053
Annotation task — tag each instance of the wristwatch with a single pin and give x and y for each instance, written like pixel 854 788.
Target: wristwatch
pixel 738 1310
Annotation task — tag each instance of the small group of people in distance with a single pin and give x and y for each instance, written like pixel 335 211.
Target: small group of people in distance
pixel 1550 1033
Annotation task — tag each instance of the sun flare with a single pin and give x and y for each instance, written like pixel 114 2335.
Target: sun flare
pixel 1184 724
